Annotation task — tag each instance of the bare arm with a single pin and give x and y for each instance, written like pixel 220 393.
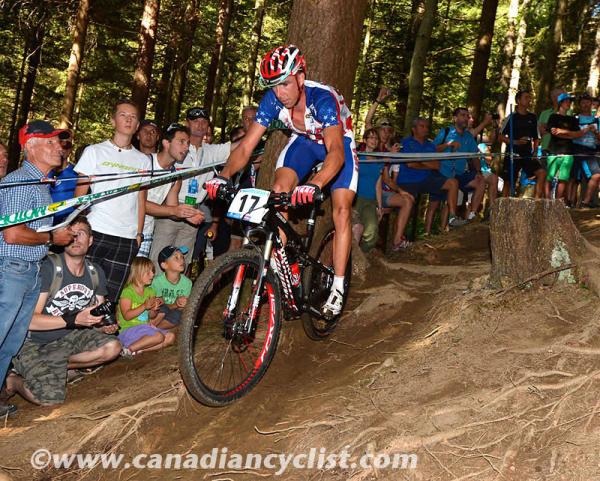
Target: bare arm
pixel 46 322
pixel 333 138
pixel 142 196
pixel 23 235
pixel 240 155
pixel 83 186
pixel 384 92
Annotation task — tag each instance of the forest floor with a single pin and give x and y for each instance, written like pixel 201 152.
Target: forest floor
pixel 427 360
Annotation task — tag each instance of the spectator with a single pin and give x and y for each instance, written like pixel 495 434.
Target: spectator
pixel 525 141
pixel 3 160
pixel 369 203
pixel 424 177
pixel 586 147
pixel 148 136
pixel 65 187
pixel 456 138
pixel 138 312
pixel 563 129
pixel 172 287
pixel 21 246
pixel 543 119
pixel 163 200
pixel 237 133
pixel 251 173
pixel 488 119
pixel 180 232
pixel 63 334
pixel 117 223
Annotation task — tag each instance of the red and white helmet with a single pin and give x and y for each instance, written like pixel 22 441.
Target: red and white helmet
pixel 279 64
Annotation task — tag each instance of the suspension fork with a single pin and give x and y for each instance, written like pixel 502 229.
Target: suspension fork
pixel 259 283
pixel 310 227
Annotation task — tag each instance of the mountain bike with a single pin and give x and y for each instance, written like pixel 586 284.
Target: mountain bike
pixel 232 322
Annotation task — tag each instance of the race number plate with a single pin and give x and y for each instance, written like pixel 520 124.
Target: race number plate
pixel 249 205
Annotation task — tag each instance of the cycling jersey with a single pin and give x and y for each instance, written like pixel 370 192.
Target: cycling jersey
pixel 325 107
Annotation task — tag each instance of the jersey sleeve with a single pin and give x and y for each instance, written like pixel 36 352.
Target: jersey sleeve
pixel 327 110
pixel 268 109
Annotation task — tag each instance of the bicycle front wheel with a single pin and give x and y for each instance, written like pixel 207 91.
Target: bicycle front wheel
pixel 222 353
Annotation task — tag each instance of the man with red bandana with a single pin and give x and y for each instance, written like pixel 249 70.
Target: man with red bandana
pixel 321 126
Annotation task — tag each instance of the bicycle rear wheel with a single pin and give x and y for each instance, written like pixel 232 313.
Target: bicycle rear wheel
pixel 318 286
pixel 219 358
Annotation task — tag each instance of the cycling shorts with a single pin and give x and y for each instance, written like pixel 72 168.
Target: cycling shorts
pixel 301 154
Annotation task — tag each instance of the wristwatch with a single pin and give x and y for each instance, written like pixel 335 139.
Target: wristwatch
pixel 50 241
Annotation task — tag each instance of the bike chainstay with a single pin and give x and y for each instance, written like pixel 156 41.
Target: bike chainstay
pixel 284 273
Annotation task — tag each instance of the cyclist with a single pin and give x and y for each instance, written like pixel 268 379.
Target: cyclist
pixel 321 126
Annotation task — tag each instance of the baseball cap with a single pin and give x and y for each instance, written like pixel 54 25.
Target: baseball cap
pixel 564 96
pixel 384 123
pixel 168 251
pixel 585 96
pixel 40 129
pixel 197 113
pixel 145 122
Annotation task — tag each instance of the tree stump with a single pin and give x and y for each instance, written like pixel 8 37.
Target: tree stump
pixel 531 237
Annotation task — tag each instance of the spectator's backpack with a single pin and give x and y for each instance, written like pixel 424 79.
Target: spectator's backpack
pixel 58 268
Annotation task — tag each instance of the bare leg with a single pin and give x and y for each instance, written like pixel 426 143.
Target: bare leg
pixel 591 187
pixel 540 182
pixel 168 339
pixel 103 354
pixel 15 384
pixel 342 242
pixel 146 342
pixel 429 215
pixel 405 202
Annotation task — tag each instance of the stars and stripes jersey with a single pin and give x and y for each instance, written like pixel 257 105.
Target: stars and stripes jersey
pixel 325 107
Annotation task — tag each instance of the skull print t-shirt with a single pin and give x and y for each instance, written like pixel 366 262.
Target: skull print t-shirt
pixel 74 295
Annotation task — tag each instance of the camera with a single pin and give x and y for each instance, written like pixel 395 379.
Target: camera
pixel 106 310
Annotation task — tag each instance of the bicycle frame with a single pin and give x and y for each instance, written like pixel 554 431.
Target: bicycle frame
pixel 273 222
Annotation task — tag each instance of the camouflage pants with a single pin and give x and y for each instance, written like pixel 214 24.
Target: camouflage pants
pixel 44 366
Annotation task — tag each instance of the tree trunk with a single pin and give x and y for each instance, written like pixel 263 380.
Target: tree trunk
pixel 12 136
pixel 434 80
pixel 550 59
pixel 192 18
pixel 535 240
pixel 483 49
pixel 594 75
pixel 508 52
pixel 259 7
pixel 220 68
pixel 417 64
pixel 220 43
pixel 517 62
pixel 363 69
pixel 75 62
pixel 36 41
pixel 416 17
pixel 145 55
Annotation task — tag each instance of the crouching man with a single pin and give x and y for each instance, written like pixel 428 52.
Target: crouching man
pixel 63 334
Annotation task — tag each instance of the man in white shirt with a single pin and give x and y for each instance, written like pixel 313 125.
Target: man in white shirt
pixel 118 223
pixel 163 201
pixel 181 232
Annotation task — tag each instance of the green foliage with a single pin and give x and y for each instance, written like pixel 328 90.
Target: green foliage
pixel 112 46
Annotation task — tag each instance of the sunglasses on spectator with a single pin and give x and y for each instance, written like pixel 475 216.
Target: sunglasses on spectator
pixel 197 113
pixel 175 126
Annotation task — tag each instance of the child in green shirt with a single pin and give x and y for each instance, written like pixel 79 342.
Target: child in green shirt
pixel 172 286
pixel 138 312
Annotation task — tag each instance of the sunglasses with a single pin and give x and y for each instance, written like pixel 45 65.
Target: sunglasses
pixel 174 126
pixel 197 113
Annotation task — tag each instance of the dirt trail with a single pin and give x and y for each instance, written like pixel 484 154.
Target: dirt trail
pixel 425 361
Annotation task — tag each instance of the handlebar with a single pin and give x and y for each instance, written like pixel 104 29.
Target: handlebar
pixel 276 199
